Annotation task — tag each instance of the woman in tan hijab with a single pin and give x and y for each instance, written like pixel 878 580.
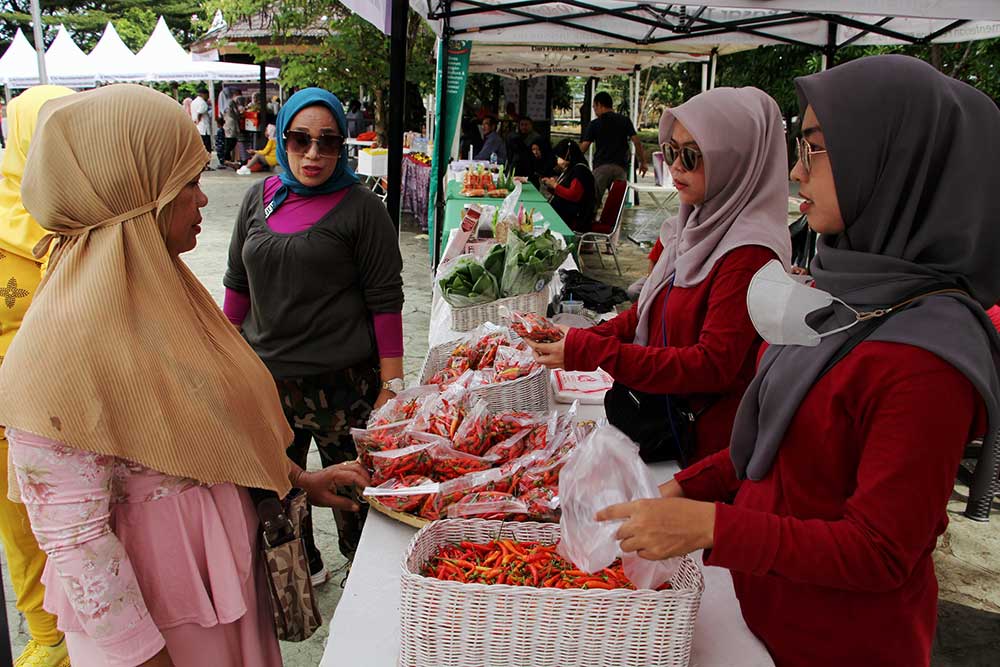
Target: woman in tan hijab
pixel 136 414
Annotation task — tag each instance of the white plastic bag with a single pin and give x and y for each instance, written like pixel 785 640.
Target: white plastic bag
pixel 605 470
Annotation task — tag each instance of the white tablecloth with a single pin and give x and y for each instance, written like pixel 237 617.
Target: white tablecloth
pixel 365 627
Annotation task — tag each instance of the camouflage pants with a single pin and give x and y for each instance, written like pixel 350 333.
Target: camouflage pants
pixel 323 409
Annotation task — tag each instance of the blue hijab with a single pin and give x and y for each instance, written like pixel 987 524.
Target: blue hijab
pixel 343 176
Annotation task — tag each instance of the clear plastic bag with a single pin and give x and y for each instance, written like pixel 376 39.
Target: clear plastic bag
pixel 406 494
pixel 398 463
pixel 512 363
pixel 379 439
pixel 489 505
pixel 402 407
pixel 603 471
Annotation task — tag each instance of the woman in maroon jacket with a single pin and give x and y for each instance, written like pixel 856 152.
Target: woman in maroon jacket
pixel 829 502
pixel 689 335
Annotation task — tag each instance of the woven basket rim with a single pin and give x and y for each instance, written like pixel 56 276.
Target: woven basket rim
pixel 429 531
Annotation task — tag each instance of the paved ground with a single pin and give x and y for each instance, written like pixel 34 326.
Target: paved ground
pixel 967 561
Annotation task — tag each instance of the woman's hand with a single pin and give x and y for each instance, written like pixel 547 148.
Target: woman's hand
pixel 549 182
pixel 252 152
pixel 550 355
pixel 322 486
pixel 383 397
pixel 161 659
pixel 671 489
pixel 663 527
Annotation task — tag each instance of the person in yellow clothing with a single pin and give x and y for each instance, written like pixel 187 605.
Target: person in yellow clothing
pixel 20 274
pixel 265 159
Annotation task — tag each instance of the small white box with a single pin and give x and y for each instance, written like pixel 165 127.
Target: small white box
pixel 373 165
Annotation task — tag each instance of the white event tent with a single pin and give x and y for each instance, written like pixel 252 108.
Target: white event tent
pixel 65 63
pixel 161 59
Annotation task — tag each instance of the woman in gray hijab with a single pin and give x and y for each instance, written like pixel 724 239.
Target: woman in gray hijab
pixel 829 502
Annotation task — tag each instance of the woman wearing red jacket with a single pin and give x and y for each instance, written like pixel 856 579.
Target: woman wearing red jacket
pixel 828 505
pixel 689 335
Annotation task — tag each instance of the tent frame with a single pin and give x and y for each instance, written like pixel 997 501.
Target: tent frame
pixel 676 19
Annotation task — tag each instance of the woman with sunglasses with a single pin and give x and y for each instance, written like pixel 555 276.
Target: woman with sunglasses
pixel 689 337
pixel 314 284
pixel 573 192
pixel 829 502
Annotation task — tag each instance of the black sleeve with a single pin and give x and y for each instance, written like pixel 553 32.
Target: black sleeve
pixel 590 134
pixel 236 274
pixel 629 128
pixel 378 258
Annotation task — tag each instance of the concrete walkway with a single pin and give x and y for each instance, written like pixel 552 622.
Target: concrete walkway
pixel 967 561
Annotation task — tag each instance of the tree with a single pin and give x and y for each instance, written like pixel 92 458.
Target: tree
pixel 348 55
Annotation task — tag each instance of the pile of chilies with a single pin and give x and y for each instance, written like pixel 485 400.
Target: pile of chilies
pixel 520 564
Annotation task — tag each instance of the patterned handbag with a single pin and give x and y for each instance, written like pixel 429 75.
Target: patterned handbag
pixel 293 601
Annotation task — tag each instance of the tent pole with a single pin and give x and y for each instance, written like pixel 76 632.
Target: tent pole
pixel 704 77
pixel 262 109
pixel 443 151
pixel 36 27
pixel 714 65
pixel 631 146
pixel 830 50
pixel 397 108
pixel 591 90
pixel 215 107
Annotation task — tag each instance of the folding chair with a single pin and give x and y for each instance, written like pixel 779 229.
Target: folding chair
pixel 609 225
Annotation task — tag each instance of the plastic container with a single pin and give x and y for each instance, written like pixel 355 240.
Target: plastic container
pixel 571 306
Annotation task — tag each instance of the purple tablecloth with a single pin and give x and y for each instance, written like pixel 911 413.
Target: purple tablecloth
pixel 416 185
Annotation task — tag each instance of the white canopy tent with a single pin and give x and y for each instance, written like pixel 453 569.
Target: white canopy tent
pixel 525 61
pixel 722 25
pixel 113 60
pixel 161 59
pixel 65 63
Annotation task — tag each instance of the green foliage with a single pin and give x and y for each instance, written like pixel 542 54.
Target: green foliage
pixel 562 95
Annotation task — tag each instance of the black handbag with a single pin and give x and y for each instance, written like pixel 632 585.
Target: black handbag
pixel 662 425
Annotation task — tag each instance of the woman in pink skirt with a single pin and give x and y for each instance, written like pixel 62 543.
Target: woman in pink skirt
pixel 137 417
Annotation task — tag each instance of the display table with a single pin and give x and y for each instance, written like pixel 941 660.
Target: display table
pixel 529 194
pixel 453 215
pixel 365 627
pixel 416 188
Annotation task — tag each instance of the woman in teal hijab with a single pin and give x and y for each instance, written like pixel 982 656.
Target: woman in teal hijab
pixel 342 175
pixel 314 284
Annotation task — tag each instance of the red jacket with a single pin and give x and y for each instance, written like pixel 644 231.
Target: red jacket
pixel 831 552
pixel 711 351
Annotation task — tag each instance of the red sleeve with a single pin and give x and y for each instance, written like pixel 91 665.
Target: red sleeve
pixel 710 366
pixel 914 435
pixel 711 479
pixel 657 250
pixel 621 327
pixel 236 305
pixel 573 193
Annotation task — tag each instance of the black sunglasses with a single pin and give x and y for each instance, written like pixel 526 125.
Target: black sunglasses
pixel 689 156
pixel 327 145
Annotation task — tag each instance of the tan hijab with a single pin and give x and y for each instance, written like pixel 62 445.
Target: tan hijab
pixel 123 352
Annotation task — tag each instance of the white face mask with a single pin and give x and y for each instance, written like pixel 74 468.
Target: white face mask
pixel 778 306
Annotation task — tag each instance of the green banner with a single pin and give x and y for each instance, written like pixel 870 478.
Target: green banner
pixel 453 59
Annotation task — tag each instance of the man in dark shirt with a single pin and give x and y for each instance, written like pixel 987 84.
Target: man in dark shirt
pixel 519 147
pixel 492 141
pixel 611 131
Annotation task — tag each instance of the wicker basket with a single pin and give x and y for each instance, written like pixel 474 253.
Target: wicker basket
pixel 450 624
pixel 470 317
pixel 529 393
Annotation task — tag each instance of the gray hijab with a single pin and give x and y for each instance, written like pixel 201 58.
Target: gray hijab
pixel 739 133
pixel 907 146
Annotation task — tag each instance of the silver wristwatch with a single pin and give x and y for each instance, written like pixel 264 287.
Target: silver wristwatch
pixel 395 385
